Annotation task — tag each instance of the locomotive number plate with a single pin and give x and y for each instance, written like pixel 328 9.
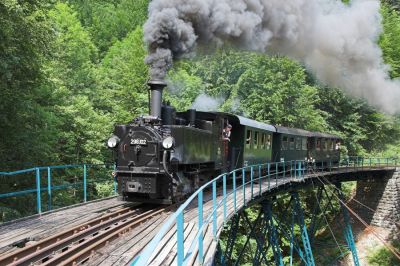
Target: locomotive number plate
pixel 138 141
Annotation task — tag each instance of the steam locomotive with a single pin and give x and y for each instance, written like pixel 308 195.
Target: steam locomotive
pixel 165 156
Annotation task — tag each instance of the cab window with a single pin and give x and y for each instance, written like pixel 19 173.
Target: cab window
pixel 318 146
pixel 285 143
pixel 298 144
pixel 324 144
pixel 291 143
pixel 304 144
pixel 248 139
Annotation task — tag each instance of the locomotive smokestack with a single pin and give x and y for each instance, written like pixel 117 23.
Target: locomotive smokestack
pixel 156 89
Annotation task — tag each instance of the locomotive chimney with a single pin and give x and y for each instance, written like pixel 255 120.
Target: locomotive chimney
pixel 156 89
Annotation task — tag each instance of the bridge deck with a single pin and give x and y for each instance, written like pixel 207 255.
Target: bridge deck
pixel 166 251
pixel 34 228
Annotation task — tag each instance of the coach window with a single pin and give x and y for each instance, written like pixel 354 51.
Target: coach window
pixel 268 144
pixel 298 144
pixel 262 144
pixel 285 143
pixel 324 144
pixel 256 139
pixel 318 145
pixel 248 139
pixel 304 144
pixel 332 144
pixel 291 143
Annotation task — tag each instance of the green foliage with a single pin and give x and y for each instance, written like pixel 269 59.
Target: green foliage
pixel 390 39
pixel 392 4
pixel 384 257
pixel 82 129
pixel 73 68
pixel 183 88
pixel 74 54
pixel 25 132
pixel 363 128
pixel 104 189
pixel 122 78
pixel 110 21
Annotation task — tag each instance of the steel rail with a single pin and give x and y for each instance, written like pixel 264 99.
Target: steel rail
pixel 44 248
pixel 83 250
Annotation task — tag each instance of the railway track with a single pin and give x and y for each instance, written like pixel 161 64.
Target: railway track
pixel 75 246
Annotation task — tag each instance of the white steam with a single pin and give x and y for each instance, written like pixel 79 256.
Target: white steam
pixel 337 42
pixel 204 102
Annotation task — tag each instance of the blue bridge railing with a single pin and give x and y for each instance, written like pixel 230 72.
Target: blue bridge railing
pixel 49 179
pixel 248 178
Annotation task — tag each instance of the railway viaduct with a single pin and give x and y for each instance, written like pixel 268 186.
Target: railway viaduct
pixel 189 234
pixel 382 195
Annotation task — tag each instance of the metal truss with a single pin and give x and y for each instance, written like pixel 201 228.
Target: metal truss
pixel 263 239
pixel 348 232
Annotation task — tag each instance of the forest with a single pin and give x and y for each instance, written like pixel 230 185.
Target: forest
pixel 70 70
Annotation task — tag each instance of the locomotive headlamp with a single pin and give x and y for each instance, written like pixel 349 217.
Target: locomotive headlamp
pixel 168 143
pixel 113 142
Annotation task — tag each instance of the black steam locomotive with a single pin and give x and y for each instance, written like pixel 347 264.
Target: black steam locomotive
pixel 164 156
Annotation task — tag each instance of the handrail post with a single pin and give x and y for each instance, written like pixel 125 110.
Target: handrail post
pixel 284 169
pixel 244 186
pixel 49 187
pixel 259 179
pixel 200 225
pixel 38 198
pixel 84 183
pixel 299 169
pixel 214 184
pixel 180 238
pixel 295 169
pixel 224 194
pixel 276 173
pixel 251 181
pixel 234 189
pixel 291 169
pixel 269 175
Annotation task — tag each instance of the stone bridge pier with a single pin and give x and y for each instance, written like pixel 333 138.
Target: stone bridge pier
pixel 382 194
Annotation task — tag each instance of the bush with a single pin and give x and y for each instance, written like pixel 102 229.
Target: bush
pixel 384 256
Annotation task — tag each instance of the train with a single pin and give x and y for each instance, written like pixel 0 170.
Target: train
pixel 166 155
